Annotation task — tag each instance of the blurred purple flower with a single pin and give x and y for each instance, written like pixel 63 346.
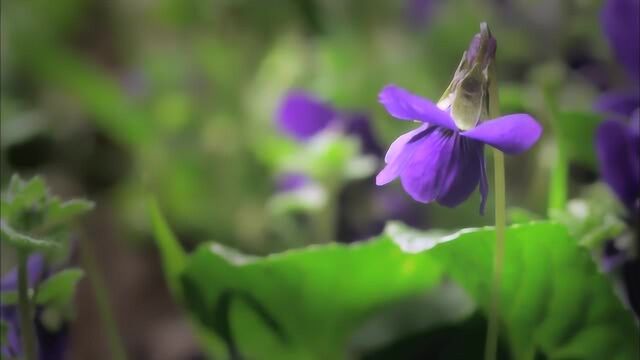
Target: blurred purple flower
pixel 52 345
pixel 302 116
pixel 621 103
pixel 291 181
pixel 620 21
pixel 418 12
pixel 438 161
pixel 618 149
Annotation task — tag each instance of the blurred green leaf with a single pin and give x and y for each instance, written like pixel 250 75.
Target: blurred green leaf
pixel 96 92
pixel 302 304
pixel 34 220
pixel 61 212
pixel 173 256
pixel 25 242
pixel 59 288
pixel 553 297
pixel 22 194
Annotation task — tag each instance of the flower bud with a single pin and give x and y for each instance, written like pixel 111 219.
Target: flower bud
pixel 468 94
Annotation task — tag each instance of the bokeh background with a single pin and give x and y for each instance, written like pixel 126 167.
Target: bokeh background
pixel 117 101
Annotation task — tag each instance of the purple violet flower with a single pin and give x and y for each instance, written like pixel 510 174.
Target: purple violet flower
pixel 618 148
pixel 52 345
pixel 303 116
pixel 443 159
pixel 620 21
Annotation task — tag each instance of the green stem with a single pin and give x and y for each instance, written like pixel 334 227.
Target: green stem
pixel 24 308
pixel 102 302
pixel 559 182
pixel 559 179
pixel 491 348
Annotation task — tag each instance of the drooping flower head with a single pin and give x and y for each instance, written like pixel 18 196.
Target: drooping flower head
pixel 443 160
pixel 52 344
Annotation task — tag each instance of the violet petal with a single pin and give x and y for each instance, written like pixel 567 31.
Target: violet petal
pixel 621 103
pixel 620 22
pixel 404 105
pixel 396 147
pixel 618 158
pixel 464 172
pixel 511 134
pixel 426 173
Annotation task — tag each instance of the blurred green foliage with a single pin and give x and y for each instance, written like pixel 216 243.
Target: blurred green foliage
pixel 188 89
pixel 34 220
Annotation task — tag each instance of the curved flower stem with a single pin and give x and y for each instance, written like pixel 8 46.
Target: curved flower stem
pixel 491 347
pixel 102 301
pixel 24 307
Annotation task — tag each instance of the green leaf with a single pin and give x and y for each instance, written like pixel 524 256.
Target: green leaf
pixel 59 288
pixel 299 304
pixel 305 304
pixel 22 194
pixel 24 242
pixel 173 256
pixel 58 212
pixel 553 299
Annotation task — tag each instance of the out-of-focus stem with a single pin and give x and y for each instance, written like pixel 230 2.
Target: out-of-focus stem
pixel 326 218
pixel 102 301
pixel 24 307
pixel 491 347
pixel 559 182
